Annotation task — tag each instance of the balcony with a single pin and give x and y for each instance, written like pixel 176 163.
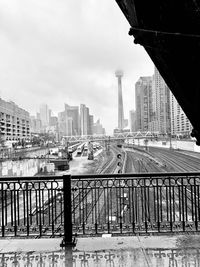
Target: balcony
pixel 134 219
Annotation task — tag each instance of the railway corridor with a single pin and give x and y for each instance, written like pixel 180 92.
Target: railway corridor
pixel 143 205
pixel 108 203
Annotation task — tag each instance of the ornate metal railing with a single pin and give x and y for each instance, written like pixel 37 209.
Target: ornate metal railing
pixel 117 204
pixel 135 203
pixel 34 206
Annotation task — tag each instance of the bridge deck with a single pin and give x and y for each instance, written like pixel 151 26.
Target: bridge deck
pixel 131 251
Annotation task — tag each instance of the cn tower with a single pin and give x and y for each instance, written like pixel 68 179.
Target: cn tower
pixel 119 74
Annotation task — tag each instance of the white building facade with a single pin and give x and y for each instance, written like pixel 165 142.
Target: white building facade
pixel 14 121
pixel 180 124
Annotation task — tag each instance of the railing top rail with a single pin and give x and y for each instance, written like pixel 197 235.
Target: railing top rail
pixel 33 178
pixel 95 176
pixel 135 175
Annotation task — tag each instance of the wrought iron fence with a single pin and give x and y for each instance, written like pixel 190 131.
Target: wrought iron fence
pixel 118 204
pixel 34 206
pixel 135 203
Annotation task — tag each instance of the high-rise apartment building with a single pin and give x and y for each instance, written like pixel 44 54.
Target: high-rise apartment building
pixel 157 109
pixel 161 105
pixel 144 105
pixel 180 124
pixel 14 121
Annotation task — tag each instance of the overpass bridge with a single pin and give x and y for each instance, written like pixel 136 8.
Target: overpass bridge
pixel 169 31
pixel 116 136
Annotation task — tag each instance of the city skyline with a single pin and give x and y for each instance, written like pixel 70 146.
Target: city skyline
pixel 46 58
pixel 72 121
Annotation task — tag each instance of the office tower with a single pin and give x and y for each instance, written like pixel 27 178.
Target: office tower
pixel 53 121
pixel 84 119
pixel 143 99
pixel 132 120
pixel 73 113
pixel 91 123
pixel 36 125
pixel 62 124
pixel 119 75
pixel 44 115
pixel 98 128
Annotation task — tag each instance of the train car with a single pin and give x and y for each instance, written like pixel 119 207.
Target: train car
pixel 94 146
pixel 80 149
pixel 70 151
pixel 86 147
pixel 73 148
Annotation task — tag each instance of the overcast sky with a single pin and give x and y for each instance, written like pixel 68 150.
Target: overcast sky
pixel 67 51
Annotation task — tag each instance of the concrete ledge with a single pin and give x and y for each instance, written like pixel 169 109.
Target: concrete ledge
pixel 91 244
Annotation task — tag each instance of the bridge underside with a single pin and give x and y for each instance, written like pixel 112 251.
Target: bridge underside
pixel 170 33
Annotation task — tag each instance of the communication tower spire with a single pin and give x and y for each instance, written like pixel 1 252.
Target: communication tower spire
pixel 119 74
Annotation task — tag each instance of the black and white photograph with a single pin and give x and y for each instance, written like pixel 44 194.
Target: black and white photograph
pixel 99 133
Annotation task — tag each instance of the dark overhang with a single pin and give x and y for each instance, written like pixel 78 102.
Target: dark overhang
pixel 170 33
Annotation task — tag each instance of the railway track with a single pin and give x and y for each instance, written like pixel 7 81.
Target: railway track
pixel 138 162
pixel 180 162
pixel 91 207
pixel 189 196
pixel 109 167
pixel 84 201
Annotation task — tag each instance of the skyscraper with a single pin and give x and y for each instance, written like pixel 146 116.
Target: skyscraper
pixel 84 119
pixel 119 74
pixel 161 103
pixel 180 124
pixel 143 99
pixel 44 115
pixel 68 121
pixel 73 113
pixel 98 128
pixel 91 123
pixel 36 125
pixel 132 120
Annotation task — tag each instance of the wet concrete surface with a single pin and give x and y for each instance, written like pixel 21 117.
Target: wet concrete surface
pixel 176 250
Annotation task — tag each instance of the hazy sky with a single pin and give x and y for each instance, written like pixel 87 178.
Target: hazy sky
pixel 67 51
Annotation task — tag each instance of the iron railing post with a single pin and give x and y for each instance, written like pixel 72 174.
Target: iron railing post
pixel 67 240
